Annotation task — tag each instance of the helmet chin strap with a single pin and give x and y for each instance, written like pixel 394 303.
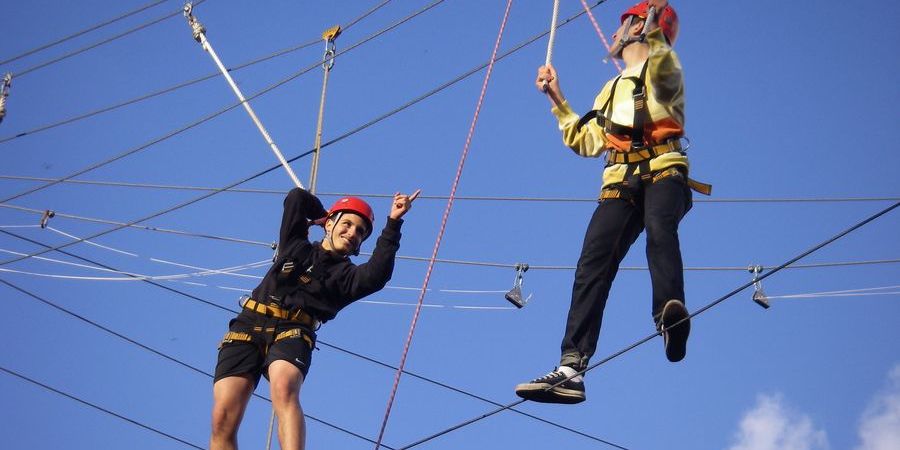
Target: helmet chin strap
pixel 616 50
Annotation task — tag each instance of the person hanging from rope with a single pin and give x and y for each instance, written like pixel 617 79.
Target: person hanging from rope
pixel 638 122
pixel 308 284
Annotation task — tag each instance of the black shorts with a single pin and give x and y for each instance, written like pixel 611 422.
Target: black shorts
pixel 243 357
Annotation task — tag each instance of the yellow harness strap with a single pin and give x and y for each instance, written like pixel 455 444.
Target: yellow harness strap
pixel 294 332
pixel 233 336
pixel 703 188
pixel 643 154
pixel 299 316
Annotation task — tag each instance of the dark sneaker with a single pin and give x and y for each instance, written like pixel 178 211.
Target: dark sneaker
pixel 674 338
pixel 552 388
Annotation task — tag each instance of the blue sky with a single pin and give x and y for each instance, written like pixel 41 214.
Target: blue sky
pixel 783 102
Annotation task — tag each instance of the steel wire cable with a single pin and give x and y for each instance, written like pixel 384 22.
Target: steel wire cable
pixel 99 43
pixel 142 227
pixel 82 32
pixel 228 108
pixel 319 341
pixel 445 260
pixel 444 197
pixel 163 355
pixel 363 126
pixel 98 407
pixel 183 84
pixel 655 334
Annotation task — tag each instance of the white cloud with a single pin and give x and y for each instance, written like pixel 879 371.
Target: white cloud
pixel 770 425
pixel 879 428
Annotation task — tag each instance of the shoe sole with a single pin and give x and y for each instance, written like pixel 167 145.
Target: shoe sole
pixel 676 346
pixel 539 392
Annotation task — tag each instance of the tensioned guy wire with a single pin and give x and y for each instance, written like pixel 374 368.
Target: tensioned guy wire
pixel 444 197
pixel 97 407
pixel 348 133
pixel 228 108
pixel 98 44
pixel 163 355
pixel 180 85
pixel 651 336
pixel 82 32
pixel 321 342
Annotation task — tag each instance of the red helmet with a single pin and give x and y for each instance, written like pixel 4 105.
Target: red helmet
pixel 356 206
pixel 667 18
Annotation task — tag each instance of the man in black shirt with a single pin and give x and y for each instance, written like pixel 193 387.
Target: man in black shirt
pixel 307 285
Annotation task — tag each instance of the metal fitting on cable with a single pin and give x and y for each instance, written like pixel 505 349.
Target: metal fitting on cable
pixel 759 296
pixel 329 37
pixel 48 214
pixel 515 294
pixel 196 27
pixel 4 92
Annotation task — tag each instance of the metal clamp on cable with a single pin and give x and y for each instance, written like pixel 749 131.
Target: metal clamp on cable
pixel 329 37
pixel 515 294
pixel 758 295
pixel 196 27
pixel 48 214
pixel 4 92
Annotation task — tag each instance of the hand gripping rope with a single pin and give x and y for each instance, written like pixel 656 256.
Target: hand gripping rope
pixel 552 40
pixel 200 36
pixel 437 243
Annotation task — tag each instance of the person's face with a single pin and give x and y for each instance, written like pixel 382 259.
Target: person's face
pixel 347 232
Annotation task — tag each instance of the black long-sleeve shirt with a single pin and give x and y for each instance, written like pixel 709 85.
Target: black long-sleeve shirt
pixel 333 280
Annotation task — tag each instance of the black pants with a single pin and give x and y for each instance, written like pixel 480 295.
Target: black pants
pixel 615 225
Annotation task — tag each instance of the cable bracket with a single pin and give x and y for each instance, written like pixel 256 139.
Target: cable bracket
pixel 4 92
pixel 45 218
pixel 759 296
pixel 329 36
pixel 515 294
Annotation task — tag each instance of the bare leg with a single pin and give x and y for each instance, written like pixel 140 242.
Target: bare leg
pixel 285 380
pixel 230 397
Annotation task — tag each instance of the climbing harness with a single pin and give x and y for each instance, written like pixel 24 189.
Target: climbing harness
pixel 759 296
pixel 270 310
pixel 515 294
pixel 4 92
pixel 641 152
pixel 199 32
pixel 329 37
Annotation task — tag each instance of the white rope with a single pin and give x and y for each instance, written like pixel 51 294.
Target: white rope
pixel 842 293
pixel 552 33
pixel 90 242
pixel 200 35
pixel 425 305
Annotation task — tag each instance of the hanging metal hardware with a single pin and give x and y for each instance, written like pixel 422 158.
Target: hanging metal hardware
pixel 515 294
pixel 329 37
pixel 4 92
pixel 759 296
pixel 199 33
pixel 46 217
